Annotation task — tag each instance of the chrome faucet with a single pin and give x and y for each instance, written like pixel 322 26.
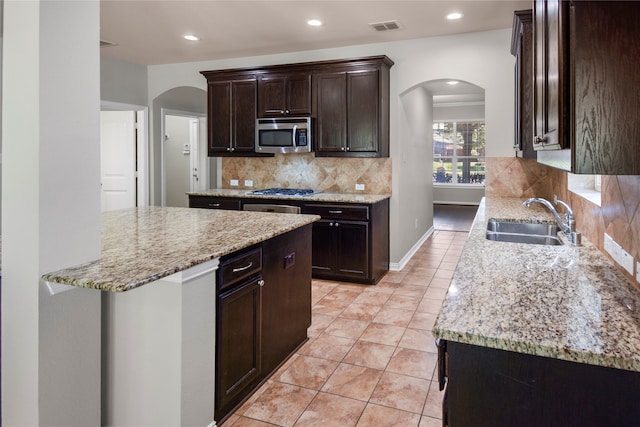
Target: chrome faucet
pixel 568 224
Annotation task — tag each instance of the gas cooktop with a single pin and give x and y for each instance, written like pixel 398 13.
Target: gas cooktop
pixel 284 192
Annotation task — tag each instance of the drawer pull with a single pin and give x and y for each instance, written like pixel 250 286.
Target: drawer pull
pixel 214 205
pixel 335 212
pixel 246 267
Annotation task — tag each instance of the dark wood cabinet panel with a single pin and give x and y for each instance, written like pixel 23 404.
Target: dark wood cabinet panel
pixel 284 95
pixel 323 259
pixel 208 202
pixel 232 117
pixel 238 344
pixel 263 313
pixel 587 54
pixel 350 242
pixel 363 111
pixel 219 117
pixel 286 295
pixel 522 49
pixel 352 108
pixel 352 249
pixel 489 387
pixel 331 112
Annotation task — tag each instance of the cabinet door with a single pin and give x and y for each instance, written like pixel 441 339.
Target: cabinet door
pixel 286 295
pixel 550 80
pixel 331 112
pixel 244 115
pixel 323 247
pixel 362 111
pixel 272 96
pixel 299 94
pixel 238 344
pixel 522 48
pixel 352 248
pixel 219 104
pixel 284 95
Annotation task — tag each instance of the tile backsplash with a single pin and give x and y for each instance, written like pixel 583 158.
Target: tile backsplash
pixel 330 174
pixel 618 215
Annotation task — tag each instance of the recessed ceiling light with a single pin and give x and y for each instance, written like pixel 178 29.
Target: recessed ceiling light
pixel 454 16
pixel 191 37
pixel 314 22
pixel 453 82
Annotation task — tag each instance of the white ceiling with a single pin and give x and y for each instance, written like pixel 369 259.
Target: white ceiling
pixel 150 32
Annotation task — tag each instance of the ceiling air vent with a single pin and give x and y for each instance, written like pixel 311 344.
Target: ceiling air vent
pixel 387 25
pixel 106 44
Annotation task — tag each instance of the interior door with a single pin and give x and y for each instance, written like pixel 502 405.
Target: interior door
pixel 118 159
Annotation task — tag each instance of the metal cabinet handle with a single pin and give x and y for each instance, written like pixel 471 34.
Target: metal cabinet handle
pixel 541 140
pixel 214 205
pixel 337 224
pixel 342 148
pixel 236 270
pixel 335 212
pixel 261 282
pixel 330 224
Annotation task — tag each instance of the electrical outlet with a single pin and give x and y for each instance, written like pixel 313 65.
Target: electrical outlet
pixel 248 183
pixel 619 255
pixel 638 272
pixel 359 187
pixel 626 261
pixel 233 183
pixel 416 223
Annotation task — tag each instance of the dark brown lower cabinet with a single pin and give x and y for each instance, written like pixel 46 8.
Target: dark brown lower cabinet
pixel 238 343
pixel 263 312
pixel 350 242
pixel 490 387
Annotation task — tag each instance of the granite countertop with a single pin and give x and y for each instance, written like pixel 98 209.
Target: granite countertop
pixel 142 245
pixel 317 197
pixel 563 302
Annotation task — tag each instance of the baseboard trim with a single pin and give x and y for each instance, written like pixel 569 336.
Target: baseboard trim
pixel 397 266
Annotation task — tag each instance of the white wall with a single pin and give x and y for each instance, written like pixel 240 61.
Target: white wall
pixel 123 82
pixel 51 212
pixel 416 61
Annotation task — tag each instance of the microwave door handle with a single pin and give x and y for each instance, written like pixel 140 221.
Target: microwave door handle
pixel 293 136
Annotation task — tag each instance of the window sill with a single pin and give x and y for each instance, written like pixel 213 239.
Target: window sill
pixel 593 196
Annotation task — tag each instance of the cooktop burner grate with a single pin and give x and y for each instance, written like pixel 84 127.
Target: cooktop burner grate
pixel 284 192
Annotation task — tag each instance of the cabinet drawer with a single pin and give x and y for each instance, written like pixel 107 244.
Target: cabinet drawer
pixel 234 269
pixel 214 203
pixel 360 213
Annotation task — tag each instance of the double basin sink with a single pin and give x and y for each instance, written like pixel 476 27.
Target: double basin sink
pixel 523 232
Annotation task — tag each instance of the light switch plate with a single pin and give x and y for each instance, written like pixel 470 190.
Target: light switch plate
pixel 248 183
pixel 626 261
pixel 360 187
pixel 638 272
pixel 233 183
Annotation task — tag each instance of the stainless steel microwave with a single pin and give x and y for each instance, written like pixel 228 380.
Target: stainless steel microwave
pixel 283 135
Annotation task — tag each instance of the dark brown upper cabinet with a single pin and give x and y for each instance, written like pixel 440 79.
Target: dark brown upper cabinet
pixel 352 108
pixel 347 98
pixel 231 117
pixel 522 49
pixel 586 79
pixel 284 95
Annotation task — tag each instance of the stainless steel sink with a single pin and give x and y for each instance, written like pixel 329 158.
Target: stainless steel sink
pixel 523 232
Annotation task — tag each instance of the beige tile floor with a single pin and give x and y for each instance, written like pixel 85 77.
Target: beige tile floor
pixel 371 358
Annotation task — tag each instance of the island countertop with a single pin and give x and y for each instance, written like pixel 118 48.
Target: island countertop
pixel 142 245
pixel 325 197
pixel 564 302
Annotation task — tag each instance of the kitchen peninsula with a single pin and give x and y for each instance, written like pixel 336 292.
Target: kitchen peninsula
pixel 537 335
pixel 161 311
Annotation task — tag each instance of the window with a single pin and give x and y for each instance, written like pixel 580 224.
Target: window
pixel 458 153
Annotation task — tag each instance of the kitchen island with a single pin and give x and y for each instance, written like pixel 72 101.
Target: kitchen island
pixel 159 268
pixel 533 335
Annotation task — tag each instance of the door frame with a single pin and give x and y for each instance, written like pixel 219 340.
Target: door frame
pixel 202 160
pixel 142 146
